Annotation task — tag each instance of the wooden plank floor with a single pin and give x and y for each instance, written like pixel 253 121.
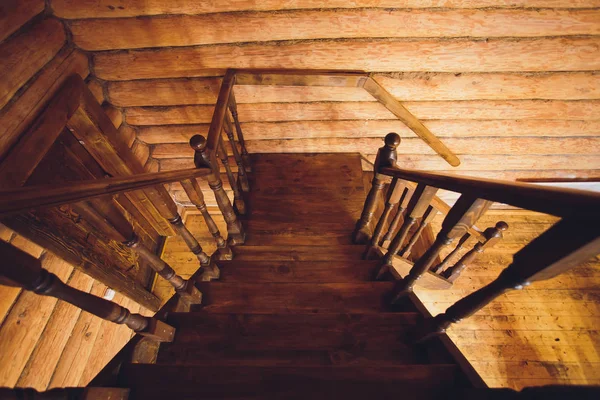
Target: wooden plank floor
pixel 546 334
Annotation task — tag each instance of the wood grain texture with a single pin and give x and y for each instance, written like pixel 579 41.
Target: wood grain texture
pixel 363 129
pixel 187 30
pixel 15 13
pixel 543 334
pixel 21 112
pixel 404 86
pixel 461 55
pixel 430 110
pixel 25 323
pixel 25 54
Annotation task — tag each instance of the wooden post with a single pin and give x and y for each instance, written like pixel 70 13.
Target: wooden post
pixel 492 236
pixel 195 195
pixel 562 247
pixel 444 264
pixel 419 203
pixel 202 159
pixel 403 203
pixel 106 217
pixel 22 270
pixel 459 220
pixel 427 218
pixel 242 176
pixel 238 128
pixel 386 157
pixel 238 200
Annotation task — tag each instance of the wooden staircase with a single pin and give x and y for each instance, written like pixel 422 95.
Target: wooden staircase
pixel 296 313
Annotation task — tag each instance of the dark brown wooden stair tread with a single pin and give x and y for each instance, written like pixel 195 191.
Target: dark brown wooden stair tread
pixel 334 331
pixel 283 237
pixel 366 297
pixel 211 382
pixel 298 253
pixel 297 271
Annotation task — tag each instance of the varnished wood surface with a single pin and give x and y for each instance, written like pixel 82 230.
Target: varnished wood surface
pixel 546 334
pixel 297 304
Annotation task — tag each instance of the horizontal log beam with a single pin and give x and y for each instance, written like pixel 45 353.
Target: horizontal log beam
pixel 26 198
pixel 427 55
pixel 74 9
pixel 210 29
pixel 431 110
pixel 300 78
pixel 374 128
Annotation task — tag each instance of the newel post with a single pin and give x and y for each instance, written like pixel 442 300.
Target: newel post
pixel 203 159
pixel 386 157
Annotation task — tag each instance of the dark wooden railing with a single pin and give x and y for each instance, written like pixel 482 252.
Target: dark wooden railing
pixel 571 241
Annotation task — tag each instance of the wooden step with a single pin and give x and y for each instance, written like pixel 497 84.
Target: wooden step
pixel 299 253
pixel 291 339
pixel 149 381
pixel 366 297
pixel 297 271
pixel 288 237
pixel 302 331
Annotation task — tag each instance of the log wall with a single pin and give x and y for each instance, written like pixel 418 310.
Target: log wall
pixel 512 87
pixel 45 342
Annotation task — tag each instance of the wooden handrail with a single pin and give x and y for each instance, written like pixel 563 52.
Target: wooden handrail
pixel 571 241
pixel 19 269
pixel 555 201
pixel 26 198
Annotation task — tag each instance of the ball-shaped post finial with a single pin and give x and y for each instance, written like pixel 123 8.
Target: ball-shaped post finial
pixel 501 226
pixel 392 140
pixel 198 143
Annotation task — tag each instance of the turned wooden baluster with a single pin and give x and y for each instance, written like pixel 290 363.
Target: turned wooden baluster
pixel 459 220
pixel 202 159
pixel 418 204
pixel 195 195
pixel 492 236
pixel 444 264
pixel 242 176
pixel 427 218
pixel 396 189
pixel 238 200
pixel 167 208
pixel 19 269
pixel 565 245
pixel 238 128
pixel 387 238
pixel 386 157
pixel 107 219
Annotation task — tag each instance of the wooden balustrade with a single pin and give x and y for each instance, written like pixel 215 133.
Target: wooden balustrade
pixel 492 235
pixel 108 220
pixel 574 239
pixel 22 270
pixel 242 176
pixel 426 220
pixel 417 206
pixel 238 200
pixel 396 189
pixel 446 262
pixel 238 128
pixel 568 243
pixel 462 216
pixel 206 159
pixel 402 204
pixel 192 189
pixel 386 156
